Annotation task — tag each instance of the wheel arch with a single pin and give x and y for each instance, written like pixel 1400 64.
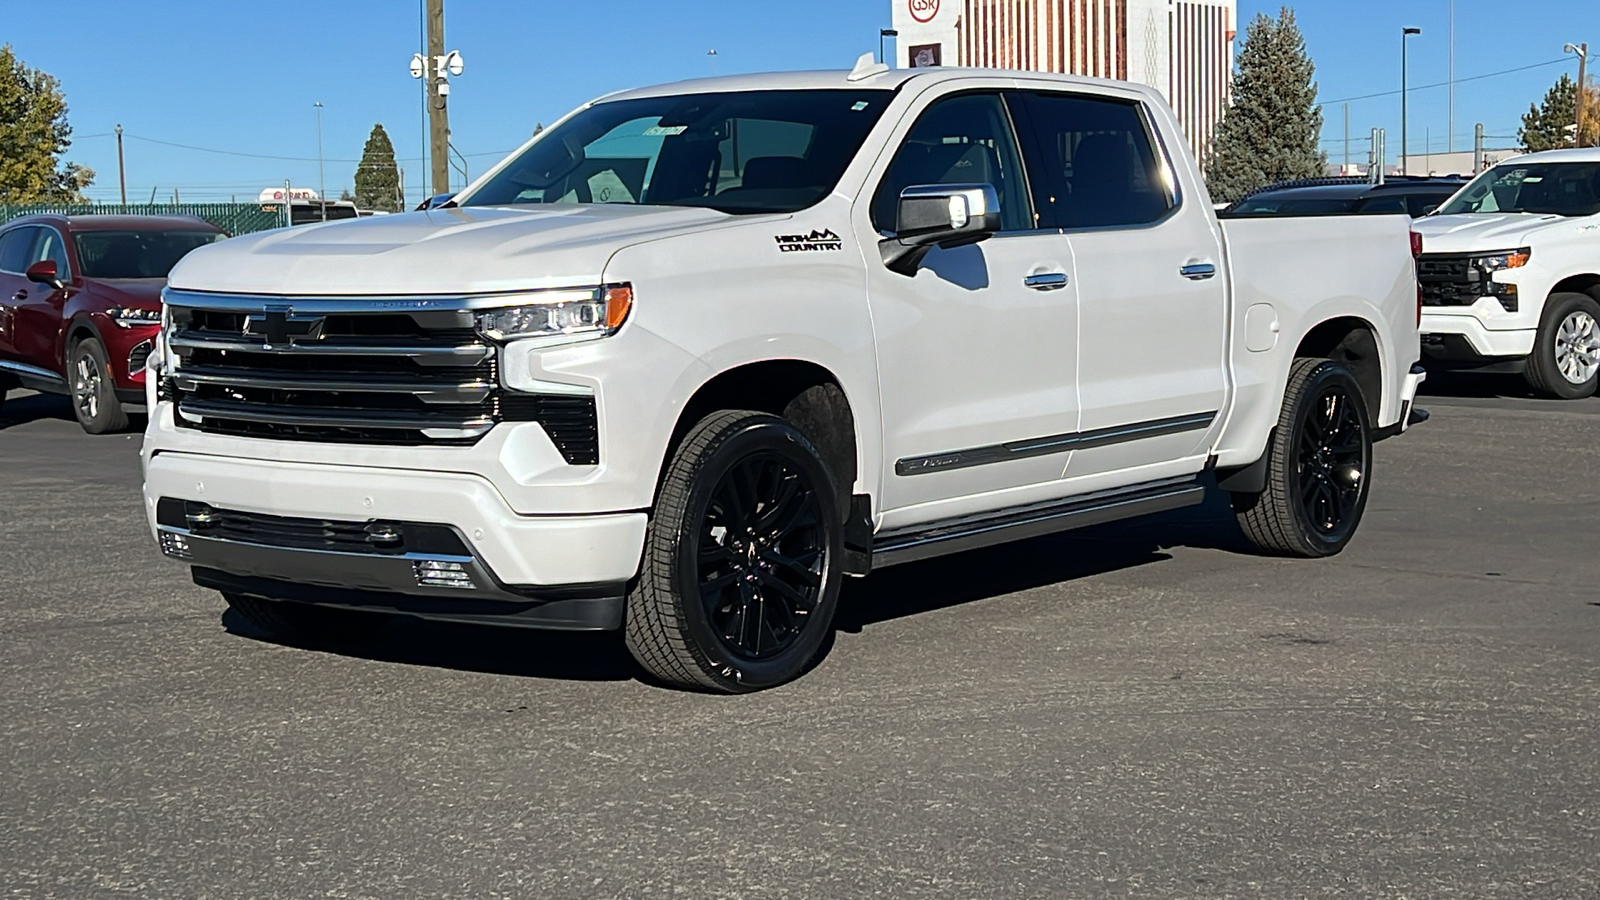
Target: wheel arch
pixel 804 392
pixel 1353 341
pixel 1586 283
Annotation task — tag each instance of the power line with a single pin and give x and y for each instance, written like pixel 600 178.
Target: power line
pixel 1425 87
pixel 398 159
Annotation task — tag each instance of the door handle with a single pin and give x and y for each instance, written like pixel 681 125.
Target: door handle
pixel 1198 271
pixel 1046 281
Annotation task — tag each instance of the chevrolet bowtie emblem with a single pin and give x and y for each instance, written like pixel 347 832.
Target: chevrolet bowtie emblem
pixel 281 327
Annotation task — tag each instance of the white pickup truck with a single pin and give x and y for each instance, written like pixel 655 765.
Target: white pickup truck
pixel 698 352
pixel 1510 273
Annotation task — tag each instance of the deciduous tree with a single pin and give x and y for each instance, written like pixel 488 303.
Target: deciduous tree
pixel 33 135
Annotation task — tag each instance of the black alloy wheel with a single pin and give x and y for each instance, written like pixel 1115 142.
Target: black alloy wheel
pixel 1332 461
pixel 761 555
pixel 1319 463
pixel 742 561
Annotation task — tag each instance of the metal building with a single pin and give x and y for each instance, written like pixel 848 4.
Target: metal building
pixel 1184 48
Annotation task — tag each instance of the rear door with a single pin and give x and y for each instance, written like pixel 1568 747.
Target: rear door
pixel 15 246
pixel 1152 299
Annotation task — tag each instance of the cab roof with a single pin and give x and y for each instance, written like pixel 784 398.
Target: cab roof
pixel 839 79
pixel 95 222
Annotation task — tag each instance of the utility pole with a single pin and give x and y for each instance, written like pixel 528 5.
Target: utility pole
pixel 1405 84
pixel 122 175
pixel 1583 80
pixel 322 184
pixel 1346 169
pixel 1477 148
pixel 1450 140
pixel 438 113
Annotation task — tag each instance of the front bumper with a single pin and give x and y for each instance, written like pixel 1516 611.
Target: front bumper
pixel 1464 338
pixel 539 571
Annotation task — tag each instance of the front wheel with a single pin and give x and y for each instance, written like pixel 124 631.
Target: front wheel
pixel 94 391
pixel 1318 466
pixel 1565 362
pixel 742 560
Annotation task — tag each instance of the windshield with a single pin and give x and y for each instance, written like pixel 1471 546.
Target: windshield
pixel 1563 189
pixel 1269 205
pixel 136 254
pixel 743 152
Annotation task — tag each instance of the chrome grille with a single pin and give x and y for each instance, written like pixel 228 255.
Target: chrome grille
pixel 375 370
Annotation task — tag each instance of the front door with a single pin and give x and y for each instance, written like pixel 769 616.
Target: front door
pixel 38 314
pixel 1152 296
pixel 977 353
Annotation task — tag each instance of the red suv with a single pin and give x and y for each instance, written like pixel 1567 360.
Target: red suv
pixel 80 305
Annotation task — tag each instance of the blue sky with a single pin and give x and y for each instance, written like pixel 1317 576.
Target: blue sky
pixel 242 77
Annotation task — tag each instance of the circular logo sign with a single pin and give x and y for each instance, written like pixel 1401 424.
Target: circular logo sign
pixel 924 10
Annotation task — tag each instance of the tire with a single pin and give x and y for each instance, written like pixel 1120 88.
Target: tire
pixel 94 389
pixel 1565 362
pixel 303 623
pixel 1319 465
pixel 708 597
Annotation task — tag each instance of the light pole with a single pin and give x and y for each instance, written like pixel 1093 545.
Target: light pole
pixel 322 186
pixel 1405 145
pixel 712 56
pixel 1583 75
pixel 885 33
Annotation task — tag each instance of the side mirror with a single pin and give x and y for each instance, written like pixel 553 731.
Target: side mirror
pixel 434 202
pixel 44 272
pixel 939 215
pixel 1428 211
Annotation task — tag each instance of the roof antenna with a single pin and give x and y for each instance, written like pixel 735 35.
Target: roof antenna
pixel 866 67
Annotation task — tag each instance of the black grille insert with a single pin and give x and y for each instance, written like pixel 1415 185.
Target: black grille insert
pixel 376 537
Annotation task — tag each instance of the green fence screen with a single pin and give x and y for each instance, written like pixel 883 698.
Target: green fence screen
pixel 234 218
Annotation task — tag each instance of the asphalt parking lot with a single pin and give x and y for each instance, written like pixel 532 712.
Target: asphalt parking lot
pixel 1138 710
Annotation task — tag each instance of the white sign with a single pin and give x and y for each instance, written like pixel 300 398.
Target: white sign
pixel 275 195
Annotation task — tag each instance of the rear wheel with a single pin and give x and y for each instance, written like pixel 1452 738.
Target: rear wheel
pixel 1317 469
pixel 94 390
pixel 303 623
pixel 742 563
pixel 1566 350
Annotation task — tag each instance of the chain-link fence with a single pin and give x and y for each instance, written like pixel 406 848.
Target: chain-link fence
pixel 234 218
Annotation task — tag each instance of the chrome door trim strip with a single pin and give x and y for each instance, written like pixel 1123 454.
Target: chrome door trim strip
pixel 1058 443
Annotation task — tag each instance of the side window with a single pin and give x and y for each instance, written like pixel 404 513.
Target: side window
pixel 966 139
pixel 16 249
pixel 49 246
pixel 1097 167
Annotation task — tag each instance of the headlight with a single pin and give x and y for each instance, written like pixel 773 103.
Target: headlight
pixel 561 316
pixel 1510 259
pixel 128 316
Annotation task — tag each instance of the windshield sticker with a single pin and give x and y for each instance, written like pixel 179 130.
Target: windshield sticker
pixel 808 243
pixel 665 130
pixel 860 105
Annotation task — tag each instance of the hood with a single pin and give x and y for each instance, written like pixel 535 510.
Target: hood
pixel 140 293
pixel 441 251
pixel 1480 232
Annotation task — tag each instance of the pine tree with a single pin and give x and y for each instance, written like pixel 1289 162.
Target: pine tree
pixel 377 177
pixel 1270 130
pixel 33 135
pixel 1549 125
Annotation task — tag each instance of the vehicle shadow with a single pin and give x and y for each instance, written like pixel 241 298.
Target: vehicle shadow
pixel 948 581
pixel 1470 385
pixel 21 408
pixel 895 593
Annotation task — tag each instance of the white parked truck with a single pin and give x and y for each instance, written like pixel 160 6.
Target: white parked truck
pixel 1510 273
pixel 698 352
